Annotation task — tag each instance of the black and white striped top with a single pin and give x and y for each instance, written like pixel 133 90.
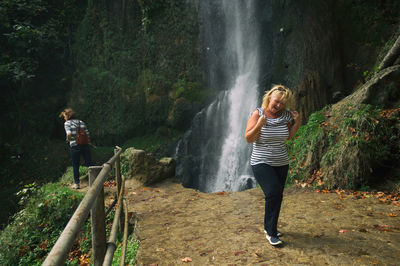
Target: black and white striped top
pixel 70 128
pixel 270 147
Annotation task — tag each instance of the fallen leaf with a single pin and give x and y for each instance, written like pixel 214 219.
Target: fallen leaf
pixel 392 214
pixel 187 259
pixel 43 245
pixel 220 193
pixel 258 255
pixel 84 260
pixel 383 228
pixel 237 253
pixel 343 231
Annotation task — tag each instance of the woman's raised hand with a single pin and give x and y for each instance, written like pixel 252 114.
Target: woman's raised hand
pixel 262 120
pixel 296 116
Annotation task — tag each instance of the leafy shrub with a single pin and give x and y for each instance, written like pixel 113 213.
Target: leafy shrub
pixel 304 147
pixel 34 230
pixel 68 176
pixel 349 146
pixel 136 74
pixel 131 250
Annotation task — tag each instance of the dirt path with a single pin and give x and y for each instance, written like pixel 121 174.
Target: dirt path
pixel 174 223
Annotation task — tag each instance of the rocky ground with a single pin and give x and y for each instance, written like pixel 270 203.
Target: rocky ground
pixel 181 226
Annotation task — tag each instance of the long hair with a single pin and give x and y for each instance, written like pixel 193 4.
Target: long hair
pixel 277 89
pixel 69 113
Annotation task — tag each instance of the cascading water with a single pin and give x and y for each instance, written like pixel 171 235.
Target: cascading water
pixel 213 155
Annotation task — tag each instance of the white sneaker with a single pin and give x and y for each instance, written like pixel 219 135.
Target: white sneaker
pixel 76 186
pixel 279 234
pixel 273 240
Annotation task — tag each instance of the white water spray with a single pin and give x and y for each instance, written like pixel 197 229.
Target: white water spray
pixel 223 155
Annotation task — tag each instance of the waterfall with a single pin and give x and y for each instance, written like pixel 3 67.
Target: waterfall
pixel 213 155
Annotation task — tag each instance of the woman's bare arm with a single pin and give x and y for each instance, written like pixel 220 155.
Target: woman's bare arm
pixel 293 128
pixel 254 126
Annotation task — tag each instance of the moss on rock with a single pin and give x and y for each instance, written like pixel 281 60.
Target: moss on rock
pixel 348 147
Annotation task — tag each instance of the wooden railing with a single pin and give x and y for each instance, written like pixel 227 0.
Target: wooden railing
pixel 93 202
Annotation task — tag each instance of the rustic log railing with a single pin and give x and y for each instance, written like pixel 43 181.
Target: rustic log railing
pixel 93 202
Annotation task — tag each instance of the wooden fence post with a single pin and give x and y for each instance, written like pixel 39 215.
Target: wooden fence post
pixel 119 180
pixel 98 219
pixel 118 171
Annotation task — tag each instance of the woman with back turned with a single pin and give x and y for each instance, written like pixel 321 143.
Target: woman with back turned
pixel 268 128
pixel 71 125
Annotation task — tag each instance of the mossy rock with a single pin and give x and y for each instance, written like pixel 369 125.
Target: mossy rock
pixel 145 168
pixel 350 148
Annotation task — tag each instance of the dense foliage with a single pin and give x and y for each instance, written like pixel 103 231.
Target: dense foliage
pixel 36 64
pixel 354 146
pixel 139 72
pixel 29 238
pixel 35 68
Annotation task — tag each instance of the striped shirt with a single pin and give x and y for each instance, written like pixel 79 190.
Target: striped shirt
pixel 70 128
pixel 270 147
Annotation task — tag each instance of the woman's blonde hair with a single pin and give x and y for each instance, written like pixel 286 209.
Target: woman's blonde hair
pixel 69 113
pixel 277 89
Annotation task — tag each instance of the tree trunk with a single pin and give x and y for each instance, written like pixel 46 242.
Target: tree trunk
pixel 391 56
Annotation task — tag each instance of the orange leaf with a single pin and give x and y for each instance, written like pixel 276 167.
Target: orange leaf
pixel 392 214
pixel 43 245
pixel 187 259
pixel 237 253
pixel 382 228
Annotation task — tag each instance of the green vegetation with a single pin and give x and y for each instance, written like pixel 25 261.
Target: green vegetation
pixel 350 146
pixel 148 143
pixel 139 73
pixel 304 145
pixel 131 250
pixel 46 211
pixel 35 39
pixel 34 230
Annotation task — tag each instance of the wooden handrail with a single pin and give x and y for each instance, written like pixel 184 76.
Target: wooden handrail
pixel 111 245
pixel 125 239
pixel 59 252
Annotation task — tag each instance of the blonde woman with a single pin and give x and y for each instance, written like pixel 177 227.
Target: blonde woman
pixel 268 128
pixel 71 124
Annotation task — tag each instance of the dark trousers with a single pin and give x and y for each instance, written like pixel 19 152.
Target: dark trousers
pixel 272 181
pixel 76 152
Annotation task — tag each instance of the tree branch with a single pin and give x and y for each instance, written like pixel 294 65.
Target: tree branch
pixel 391 56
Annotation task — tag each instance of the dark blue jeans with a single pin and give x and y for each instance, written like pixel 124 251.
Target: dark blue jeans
pixel 76 152
pixel 272 181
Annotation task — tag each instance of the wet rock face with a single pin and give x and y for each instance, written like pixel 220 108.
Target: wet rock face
pixel 301 50
pixel 145 168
